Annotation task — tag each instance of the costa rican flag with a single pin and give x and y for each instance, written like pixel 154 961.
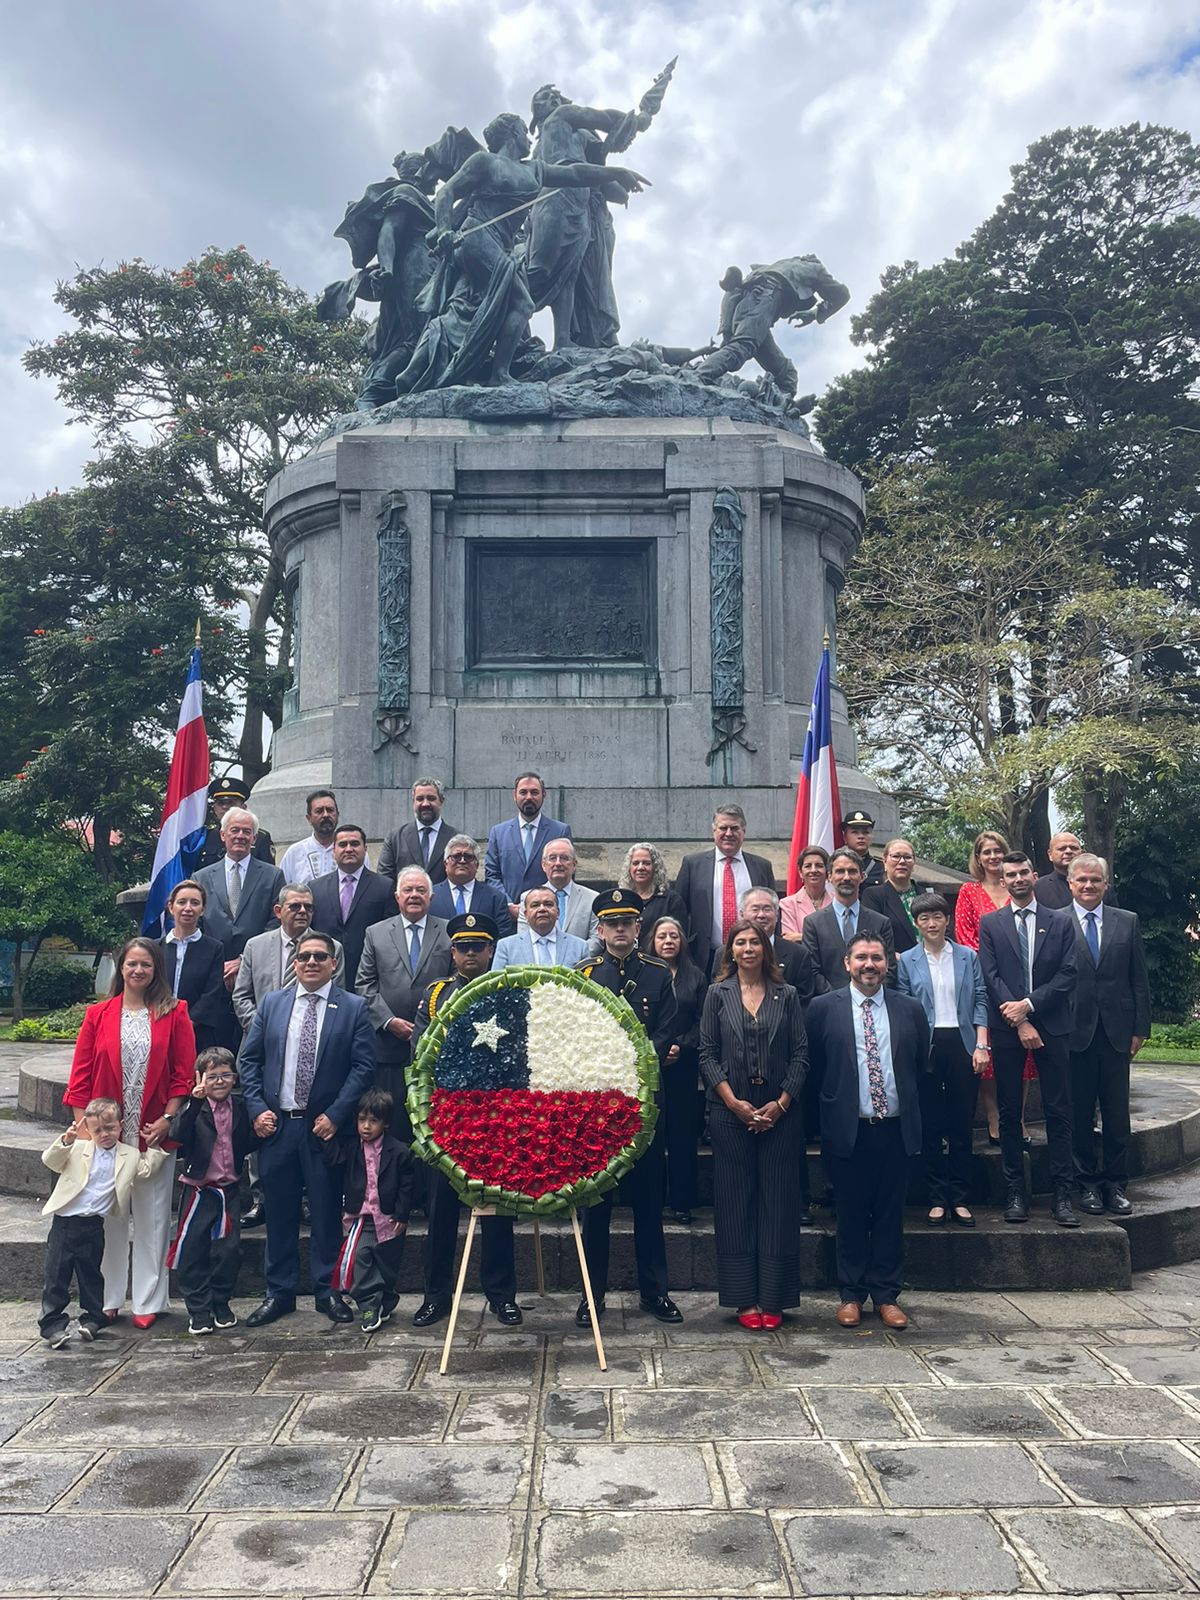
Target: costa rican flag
pixel 818 808
pixel 181 834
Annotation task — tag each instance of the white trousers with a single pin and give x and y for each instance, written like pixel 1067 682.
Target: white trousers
pixel 149 1217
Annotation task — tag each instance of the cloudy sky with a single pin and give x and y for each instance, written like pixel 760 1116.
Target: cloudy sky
pixel 866 131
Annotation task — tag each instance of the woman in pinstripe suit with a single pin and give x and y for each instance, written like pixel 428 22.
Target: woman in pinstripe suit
pixel 753 1057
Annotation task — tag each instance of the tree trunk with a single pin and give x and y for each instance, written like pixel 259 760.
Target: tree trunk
pixel 102 855
pixel 1103 797
pixel 1037 831
pixel 259 700
pixel 18 1010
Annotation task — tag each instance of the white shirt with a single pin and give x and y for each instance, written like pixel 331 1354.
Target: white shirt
pixel 545 948
pixel 173 938
pixel 291 1049
pixel 426 846
pixel 741 881
pixel 1098 912
pixel 467 890
pixel 883 1037
pixel 945 997
pixel 98 1193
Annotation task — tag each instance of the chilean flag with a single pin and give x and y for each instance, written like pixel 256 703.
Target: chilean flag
pixel 818 808
pixel 182 831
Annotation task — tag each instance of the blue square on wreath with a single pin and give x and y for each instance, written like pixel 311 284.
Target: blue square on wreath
pixel 487 1046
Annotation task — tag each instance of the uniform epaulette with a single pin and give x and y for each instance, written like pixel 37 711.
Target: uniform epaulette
pixel 433 994
pixel 587 966
pixel 653 961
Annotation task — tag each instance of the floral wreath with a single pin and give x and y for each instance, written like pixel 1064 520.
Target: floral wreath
pixel 532 1090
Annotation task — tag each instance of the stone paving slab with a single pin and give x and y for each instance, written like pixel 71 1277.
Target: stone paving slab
pixel 1127 1413
pixel 182 1419
pixel 626 1369
pixel 1172 1366
pixel 493 1368
pixel 32 1480
pixel 704 1369
pixel 450 1553
pixel 711 1414
pixel 979 1412
pixel 770 1476
pixel 1179 1531
pixel 74 1370
pixel 576 1414
pixel 330 1371
pixel 280 1555
pixel 146 1480
pixel 195 1368
pixel 280 1477
pixel 1026 1365
pixel 622 1476
pixel 493 1417
pixel 857 1414
pixel 899 1553
pixel 632 1553
pixel 855 1363
pixel 1125 1474
pixel 940 1475
pixel 17 1410
pixel 440 1475
pixel 50 1555
pixel 1084 1549
pixel 370 1417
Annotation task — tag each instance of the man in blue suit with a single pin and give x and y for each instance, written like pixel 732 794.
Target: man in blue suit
pixel 514 848
pixel 309 1056
pixel 460 894
pixel 1028 958
pixel 870 1046
pixel 541 943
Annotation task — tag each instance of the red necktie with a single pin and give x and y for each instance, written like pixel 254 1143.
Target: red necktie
pixel 728 901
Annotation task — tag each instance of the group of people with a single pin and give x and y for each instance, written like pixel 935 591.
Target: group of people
pixel 844 1013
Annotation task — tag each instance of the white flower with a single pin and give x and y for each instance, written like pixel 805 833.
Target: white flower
pixel 574 1043
pixel 489 1033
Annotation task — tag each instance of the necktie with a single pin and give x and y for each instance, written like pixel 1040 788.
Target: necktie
pixel 879 1105
pixel 562 906
pixel 235 888
pixel 460 904
pixel 1090 934
pixel 347 895
pixel 543 955
pixel 728 900
pixel 306 1055
pixel 414 946
pixel 289 950
pixel 1023 938
pixel 425 845
pixel 848 923
pixel 527 830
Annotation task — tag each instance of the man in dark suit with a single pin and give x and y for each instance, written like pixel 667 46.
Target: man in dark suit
pixel 514 848
pixel 461 894
pixel 223 795
pixel 401 958
pixel 1053 888
pixel 870 1046
pixel 421 842
pixel 827 934
pixel 307 1059
pixel 712 882
pixel 241 892
pixel 1112 1022
pixel 1028 958
pixel 894 894
pixel 351 898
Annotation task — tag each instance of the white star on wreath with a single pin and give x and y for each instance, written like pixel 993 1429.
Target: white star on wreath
pixel 489 1033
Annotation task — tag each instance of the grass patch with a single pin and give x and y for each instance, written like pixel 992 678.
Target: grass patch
pixel 1166 1056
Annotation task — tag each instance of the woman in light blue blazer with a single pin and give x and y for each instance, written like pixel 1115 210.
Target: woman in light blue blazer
pixel 948 981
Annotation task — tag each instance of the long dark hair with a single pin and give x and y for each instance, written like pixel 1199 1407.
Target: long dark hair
pixel 772 971
pixel 159 999
pixel 684 959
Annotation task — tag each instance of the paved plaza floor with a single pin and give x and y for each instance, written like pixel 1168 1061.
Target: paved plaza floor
pixel 1031 1443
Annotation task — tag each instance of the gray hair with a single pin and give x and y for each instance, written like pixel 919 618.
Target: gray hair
pixel 757 888
pixel 428 783
pixel 462 841
pixel 560 844
pixel 414 872
pixel 730 809
pixel 659 884
pixel 235 814
pixel 1086 859
pixel 281 898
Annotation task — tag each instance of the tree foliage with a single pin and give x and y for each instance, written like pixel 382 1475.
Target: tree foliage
pixel 1158 870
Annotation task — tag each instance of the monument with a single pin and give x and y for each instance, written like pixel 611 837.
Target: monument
pixel 612 564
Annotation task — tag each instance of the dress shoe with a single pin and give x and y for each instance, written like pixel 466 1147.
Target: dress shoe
pixel 994 1139
pixel 1016 1207
pixel 429 1312
pixel 750 1319
pixel 891 1315
pixel 1117 1201
pixel 962 1217
pixel 1090 1201
pixel 683 1218
pixel 849 1313
pixel 255 1215
pixel 1061 1210
pixel 662 1307
pixel 805 1219
pixel 111 1316
pixel 272 1308
pixel 145 1321
pixel 938 1221
pixel 335 1308
pixel 583 1317
pixel 772 1320
pixel 506 1312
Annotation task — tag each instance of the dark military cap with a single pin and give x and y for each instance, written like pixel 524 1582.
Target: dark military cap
pixel 228 788
pixel 617 903
pixel 472 925
pixel 858 819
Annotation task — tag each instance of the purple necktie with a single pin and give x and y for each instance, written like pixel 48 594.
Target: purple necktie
pixel 347 896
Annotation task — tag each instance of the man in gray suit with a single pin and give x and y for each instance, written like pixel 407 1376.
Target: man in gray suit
pixel 575 914
pixel 268 961
pixel 242 893
pixel 827 933
pixel 401 957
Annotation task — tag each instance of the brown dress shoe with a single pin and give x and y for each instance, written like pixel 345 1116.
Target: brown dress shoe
pixel 849 1314
pixel 891 1316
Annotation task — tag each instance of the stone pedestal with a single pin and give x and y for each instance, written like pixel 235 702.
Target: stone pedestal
pixel 632 608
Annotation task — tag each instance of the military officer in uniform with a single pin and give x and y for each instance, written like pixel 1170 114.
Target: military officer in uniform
pixel 857 827
pixel 222 794
pixel 472 946
pixel 645 982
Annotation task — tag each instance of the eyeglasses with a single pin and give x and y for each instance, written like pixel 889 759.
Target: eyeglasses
pixel 320 956
pixel 471 945
pixel 218 1077
pixel 461 855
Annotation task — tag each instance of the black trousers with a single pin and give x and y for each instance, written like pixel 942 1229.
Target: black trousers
pixel 810 1110
pixel 1100 1073
pixel 291 1165
pixel 756 1199
pixel 1054 1071
pixel 497 1268
pixel 643 1191
pixel 391 1080
pixel 206 1269
pixel 870 1184
pixel 368 1267
pixel 683 1114
pixel 948 1093
pixel 74 1247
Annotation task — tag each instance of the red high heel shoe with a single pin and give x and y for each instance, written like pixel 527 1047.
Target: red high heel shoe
pixel 146 1321
pixel 751 1319
pixel 772 1320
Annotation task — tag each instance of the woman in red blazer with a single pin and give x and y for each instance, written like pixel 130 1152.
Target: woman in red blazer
pixel 137 1048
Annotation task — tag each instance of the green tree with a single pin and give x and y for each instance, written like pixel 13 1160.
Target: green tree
pixel 205 382
pixel 49 888
pixel 1157 869
pixel 1053 365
